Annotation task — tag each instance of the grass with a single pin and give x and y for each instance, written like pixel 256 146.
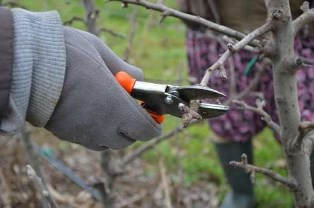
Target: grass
pixel 159 49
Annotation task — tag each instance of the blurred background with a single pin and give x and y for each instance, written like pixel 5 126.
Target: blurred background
pixel 181 170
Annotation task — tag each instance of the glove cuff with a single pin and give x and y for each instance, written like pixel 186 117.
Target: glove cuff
pixel 39 65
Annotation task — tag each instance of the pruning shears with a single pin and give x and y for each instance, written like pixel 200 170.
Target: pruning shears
pixel 160 99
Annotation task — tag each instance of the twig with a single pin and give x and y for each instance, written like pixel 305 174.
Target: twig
pixel 62 198
pixel 230 62
pixel 41 188
pixel 214 10
pixel 6 193
pixel 166 11
pixel 72 20
pixel 133 28
pixel 260 71
pixel 165 184
pixel 131 200
pixel 305 18
pixel 112 32
pixel 233 41
pixel 91 15
pixel 259 110
pixel 235 48
pixel 271 174
pixel 32 157
pixel 30 150
pixel 12 4
pixel 66 171
pixel 149 145
pixel 109 165
pixel 103 29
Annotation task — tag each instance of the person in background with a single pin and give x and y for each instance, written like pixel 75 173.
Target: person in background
pixel 233 132
pixel 62 79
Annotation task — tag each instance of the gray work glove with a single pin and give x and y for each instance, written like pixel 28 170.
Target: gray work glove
pixel 94 110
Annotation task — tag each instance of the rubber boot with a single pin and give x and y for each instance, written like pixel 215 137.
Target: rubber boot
pixel 242 193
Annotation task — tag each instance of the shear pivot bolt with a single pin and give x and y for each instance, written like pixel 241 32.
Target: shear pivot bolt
pixel 169 100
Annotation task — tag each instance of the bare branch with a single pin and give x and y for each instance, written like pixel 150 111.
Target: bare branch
pixel 103 29
pixel 133 28
pixel 259 110
pixel 165 184
pixel 12 4
pixel 151 144
pixel 112 32
pixel 41 188
pixel 72 20
pixel 306 18
pixel 166 11
pixel 91 15
pixel 214 10
pixel 232 49
pixel 29 145
pixel 233 42
pixel 132 200
pixel 253 83
pixel 271 174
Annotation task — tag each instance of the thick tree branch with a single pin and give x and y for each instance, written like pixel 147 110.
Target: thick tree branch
pixel 259 110
pixel 166 11
pixel 286 97
pixel 251 169
pixel 233 49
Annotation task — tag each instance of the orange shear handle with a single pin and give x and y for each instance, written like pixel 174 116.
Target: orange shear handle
pixel 128 82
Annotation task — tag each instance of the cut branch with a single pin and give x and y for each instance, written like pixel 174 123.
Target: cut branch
pixel 251 169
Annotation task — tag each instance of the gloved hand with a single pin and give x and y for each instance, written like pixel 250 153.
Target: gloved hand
pixel 94 110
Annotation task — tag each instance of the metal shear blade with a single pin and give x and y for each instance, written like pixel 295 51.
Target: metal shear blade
pixel 165 99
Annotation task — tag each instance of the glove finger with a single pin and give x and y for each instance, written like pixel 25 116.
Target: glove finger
pixel 114 63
